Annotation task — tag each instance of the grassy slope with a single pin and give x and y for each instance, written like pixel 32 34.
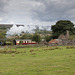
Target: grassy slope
pixel 39 61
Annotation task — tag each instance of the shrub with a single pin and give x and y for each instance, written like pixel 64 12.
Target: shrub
pixel 9 43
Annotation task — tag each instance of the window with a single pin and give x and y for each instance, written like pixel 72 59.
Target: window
pixel 27 42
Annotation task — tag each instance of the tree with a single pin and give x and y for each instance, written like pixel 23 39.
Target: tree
pixel 26 36
pixel 3 35
pixel 61 27
pixel 48 38
pixel 36 37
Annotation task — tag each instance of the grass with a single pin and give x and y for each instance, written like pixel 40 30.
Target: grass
pixel 37 60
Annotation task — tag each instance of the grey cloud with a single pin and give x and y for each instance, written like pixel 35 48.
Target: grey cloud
pixel 3 4
pixel 3 10
pixel 42 11
pixel 55 10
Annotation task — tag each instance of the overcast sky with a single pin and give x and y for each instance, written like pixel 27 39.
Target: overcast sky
pixel 42 12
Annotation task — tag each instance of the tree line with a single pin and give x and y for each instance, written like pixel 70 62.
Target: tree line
pixel 59 28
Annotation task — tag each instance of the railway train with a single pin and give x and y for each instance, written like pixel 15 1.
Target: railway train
pixel 16 42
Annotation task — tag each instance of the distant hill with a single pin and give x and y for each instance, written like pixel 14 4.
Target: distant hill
pixel 4 27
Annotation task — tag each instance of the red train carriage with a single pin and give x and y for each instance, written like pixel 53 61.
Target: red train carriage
pixel 25 41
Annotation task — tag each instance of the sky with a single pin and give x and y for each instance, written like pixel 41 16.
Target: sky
pixel 36 12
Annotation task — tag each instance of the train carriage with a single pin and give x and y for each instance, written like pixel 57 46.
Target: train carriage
pixel 24 41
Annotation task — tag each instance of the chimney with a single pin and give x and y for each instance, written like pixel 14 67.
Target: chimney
pixel 67 34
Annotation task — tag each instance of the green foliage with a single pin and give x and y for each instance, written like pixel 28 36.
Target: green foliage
pixel 72 37
pixel 3 35
pixel 36 37
pixel 61 26
pixel 9 43
pixel 26 36
pixel 48 38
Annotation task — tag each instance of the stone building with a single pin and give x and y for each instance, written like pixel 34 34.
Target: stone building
pixel 62 36
pixel 62 40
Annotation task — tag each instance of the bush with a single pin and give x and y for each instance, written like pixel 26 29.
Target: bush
pixel 48 38
pixel 36 37
pixel 72 37
pixel 9 43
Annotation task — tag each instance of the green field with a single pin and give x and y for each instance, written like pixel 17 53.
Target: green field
pixel 35 60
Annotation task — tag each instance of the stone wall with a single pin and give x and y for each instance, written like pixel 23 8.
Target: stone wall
pixel 68 42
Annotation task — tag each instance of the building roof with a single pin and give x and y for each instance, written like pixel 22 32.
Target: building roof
pixel 54 41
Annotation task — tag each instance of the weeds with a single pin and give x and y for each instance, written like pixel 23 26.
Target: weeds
pixel 70 47
pixel 51 48
pixel 31 50
pixel 13 55
pixel 7 51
